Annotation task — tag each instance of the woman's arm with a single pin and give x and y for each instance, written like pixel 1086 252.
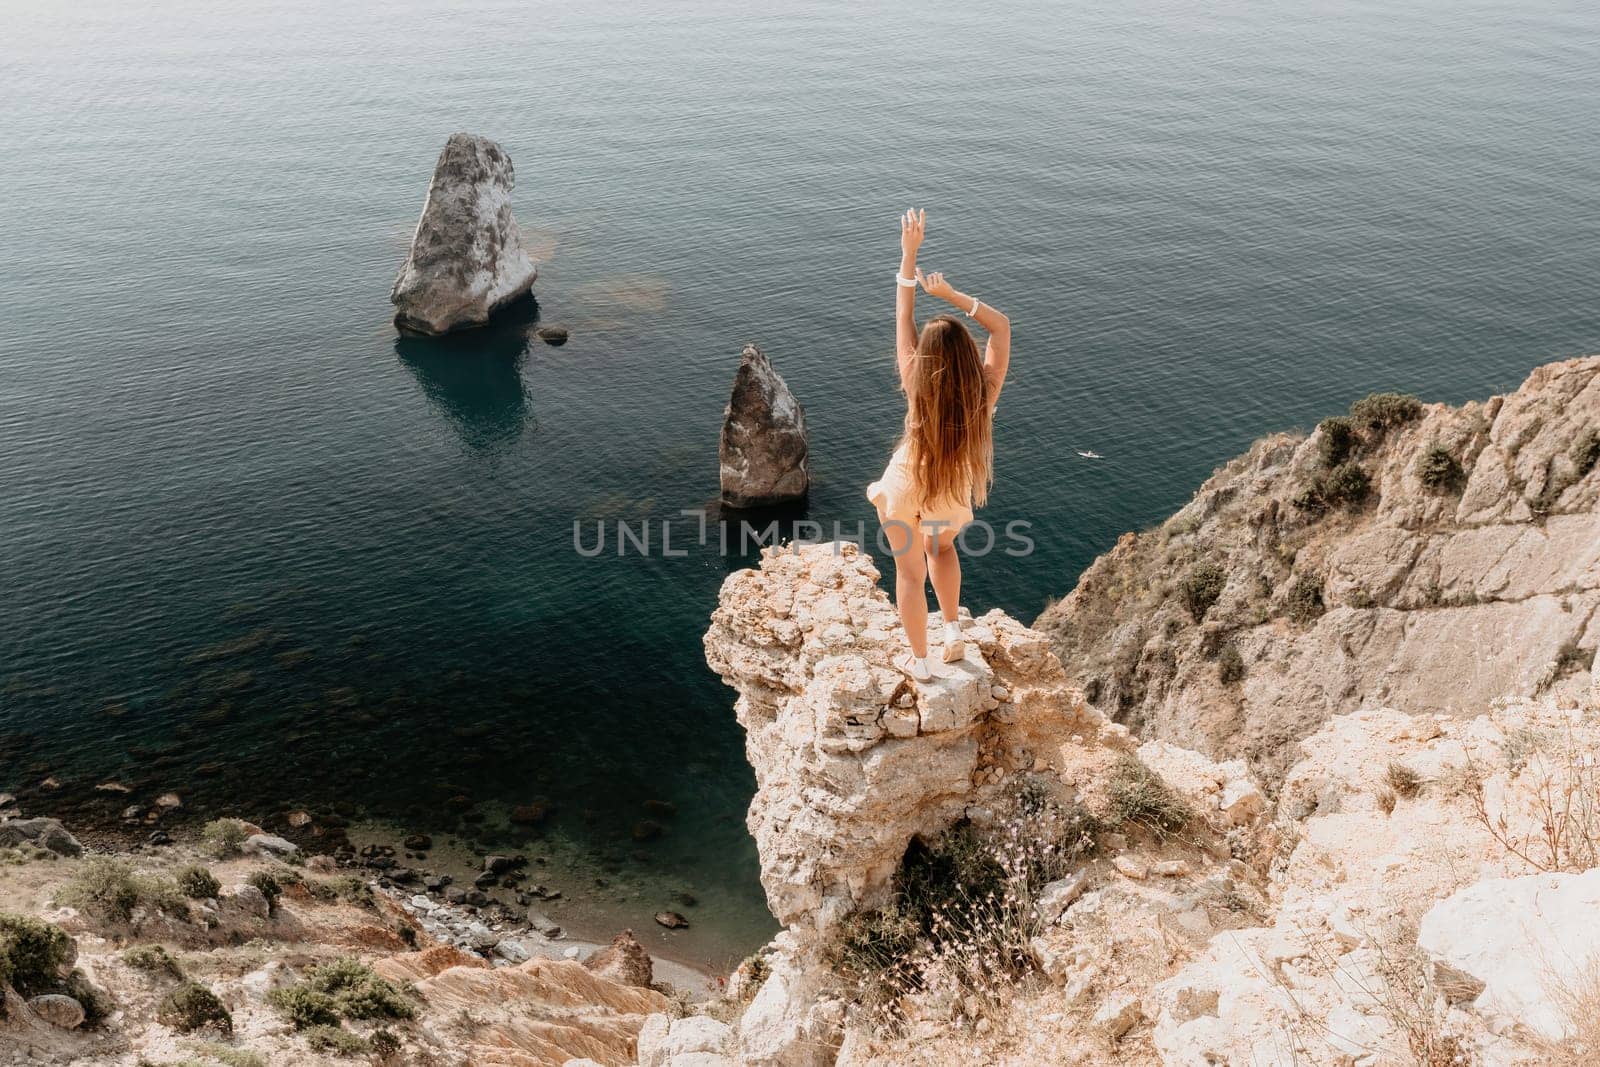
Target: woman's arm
pixel 997 353
pixel 912 228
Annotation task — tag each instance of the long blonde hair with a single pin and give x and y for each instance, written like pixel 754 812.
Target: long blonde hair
pixel 949 420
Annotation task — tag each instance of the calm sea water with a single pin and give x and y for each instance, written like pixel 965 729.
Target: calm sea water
pixel 255 548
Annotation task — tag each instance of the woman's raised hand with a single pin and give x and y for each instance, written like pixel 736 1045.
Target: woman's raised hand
pixel 934 284
pixel 913 224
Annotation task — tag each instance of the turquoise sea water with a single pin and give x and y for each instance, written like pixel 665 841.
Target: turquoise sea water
pixel 255 547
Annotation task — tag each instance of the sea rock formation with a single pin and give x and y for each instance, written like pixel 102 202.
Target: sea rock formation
pixel 541 1013
pixel 853 761
pixel 466 258
pixel 624 960
pixel 763 452
pixel 1421 556
pixel 1389 905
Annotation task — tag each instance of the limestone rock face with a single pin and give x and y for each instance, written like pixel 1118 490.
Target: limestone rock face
pixel 763 453
pixel 695 1041
pixel 852 759
pixel 541 1013
pixel 1383 894
pixel 466 256
pixel 1442 594
pixel 1527 941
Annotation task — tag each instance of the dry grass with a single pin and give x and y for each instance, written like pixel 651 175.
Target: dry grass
pixel 953 943
pixel 1139 798
pixel 1403 780
pixel 1386 800
pixel 1410 1000
pixel 1561 827
pixel 1578 998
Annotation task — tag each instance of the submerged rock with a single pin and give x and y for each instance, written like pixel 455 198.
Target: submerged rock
pixel 763 453
pixel 466 257
pixel 553 335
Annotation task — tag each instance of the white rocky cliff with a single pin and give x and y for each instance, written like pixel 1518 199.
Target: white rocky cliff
pixel 1422 890
pixel 763 452
pixel 466 258
pixel 1421 556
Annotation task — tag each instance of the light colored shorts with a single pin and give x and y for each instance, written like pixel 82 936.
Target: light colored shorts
pixel 897 499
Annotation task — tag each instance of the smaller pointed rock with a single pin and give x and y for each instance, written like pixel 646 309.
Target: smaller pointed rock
pixel 763 453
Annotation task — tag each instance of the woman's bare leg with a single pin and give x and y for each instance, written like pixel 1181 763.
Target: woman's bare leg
pixel 910 585
pixel 944 567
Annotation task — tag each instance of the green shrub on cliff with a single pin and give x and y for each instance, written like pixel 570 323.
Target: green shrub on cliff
pixel 1586 452
pixel 33 953
pixel 304 1007
pixel 1438 468
pixel 1346 485
pixel 96 1005
pixel 1304 602
pixel 359 992
pixel 1381 411
pixel 197 883
pixel 269 885
pixel 1200 587
pixel 190 1007
pixel 1138 797
pixel 223 837
pixel 1230 664
pixel 339 1042
pixel 1338 438
pixel 342 989
pixel 153 959
pixel 109 889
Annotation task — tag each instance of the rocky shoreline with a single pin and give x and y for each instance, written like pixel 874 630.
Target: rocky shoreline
pixel 492 904
pixel 211 945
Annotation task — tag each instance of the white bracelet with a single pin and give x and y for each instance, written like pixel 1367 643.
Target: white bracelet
pixel 903 282
pixel 975 305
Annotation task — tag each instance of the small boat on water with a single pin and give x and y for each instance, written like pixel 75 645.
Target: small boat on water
pixel 1089 455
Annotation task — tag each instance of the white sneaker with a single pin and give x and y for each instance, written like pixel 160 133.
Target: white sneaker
pixel 954 647
pixel 916 667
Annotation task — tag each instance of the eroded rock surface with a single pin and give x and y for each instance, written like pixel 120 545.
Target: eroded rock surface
pixel 763 453
pixel 1387 901
pixel 466 258
pixel 1469 572
pixel 852 759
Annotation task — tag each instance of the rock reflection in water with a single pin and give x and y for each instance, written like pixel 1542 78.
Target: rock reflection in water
pixel 474 378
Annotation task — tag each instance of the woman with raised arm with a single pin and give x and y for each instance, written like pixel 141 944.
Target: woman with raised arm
pixel 944 461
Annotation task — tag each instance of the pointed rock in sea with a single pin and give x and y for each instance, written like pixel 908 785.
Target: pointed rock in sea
pixel 763 453
pixel 467 259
